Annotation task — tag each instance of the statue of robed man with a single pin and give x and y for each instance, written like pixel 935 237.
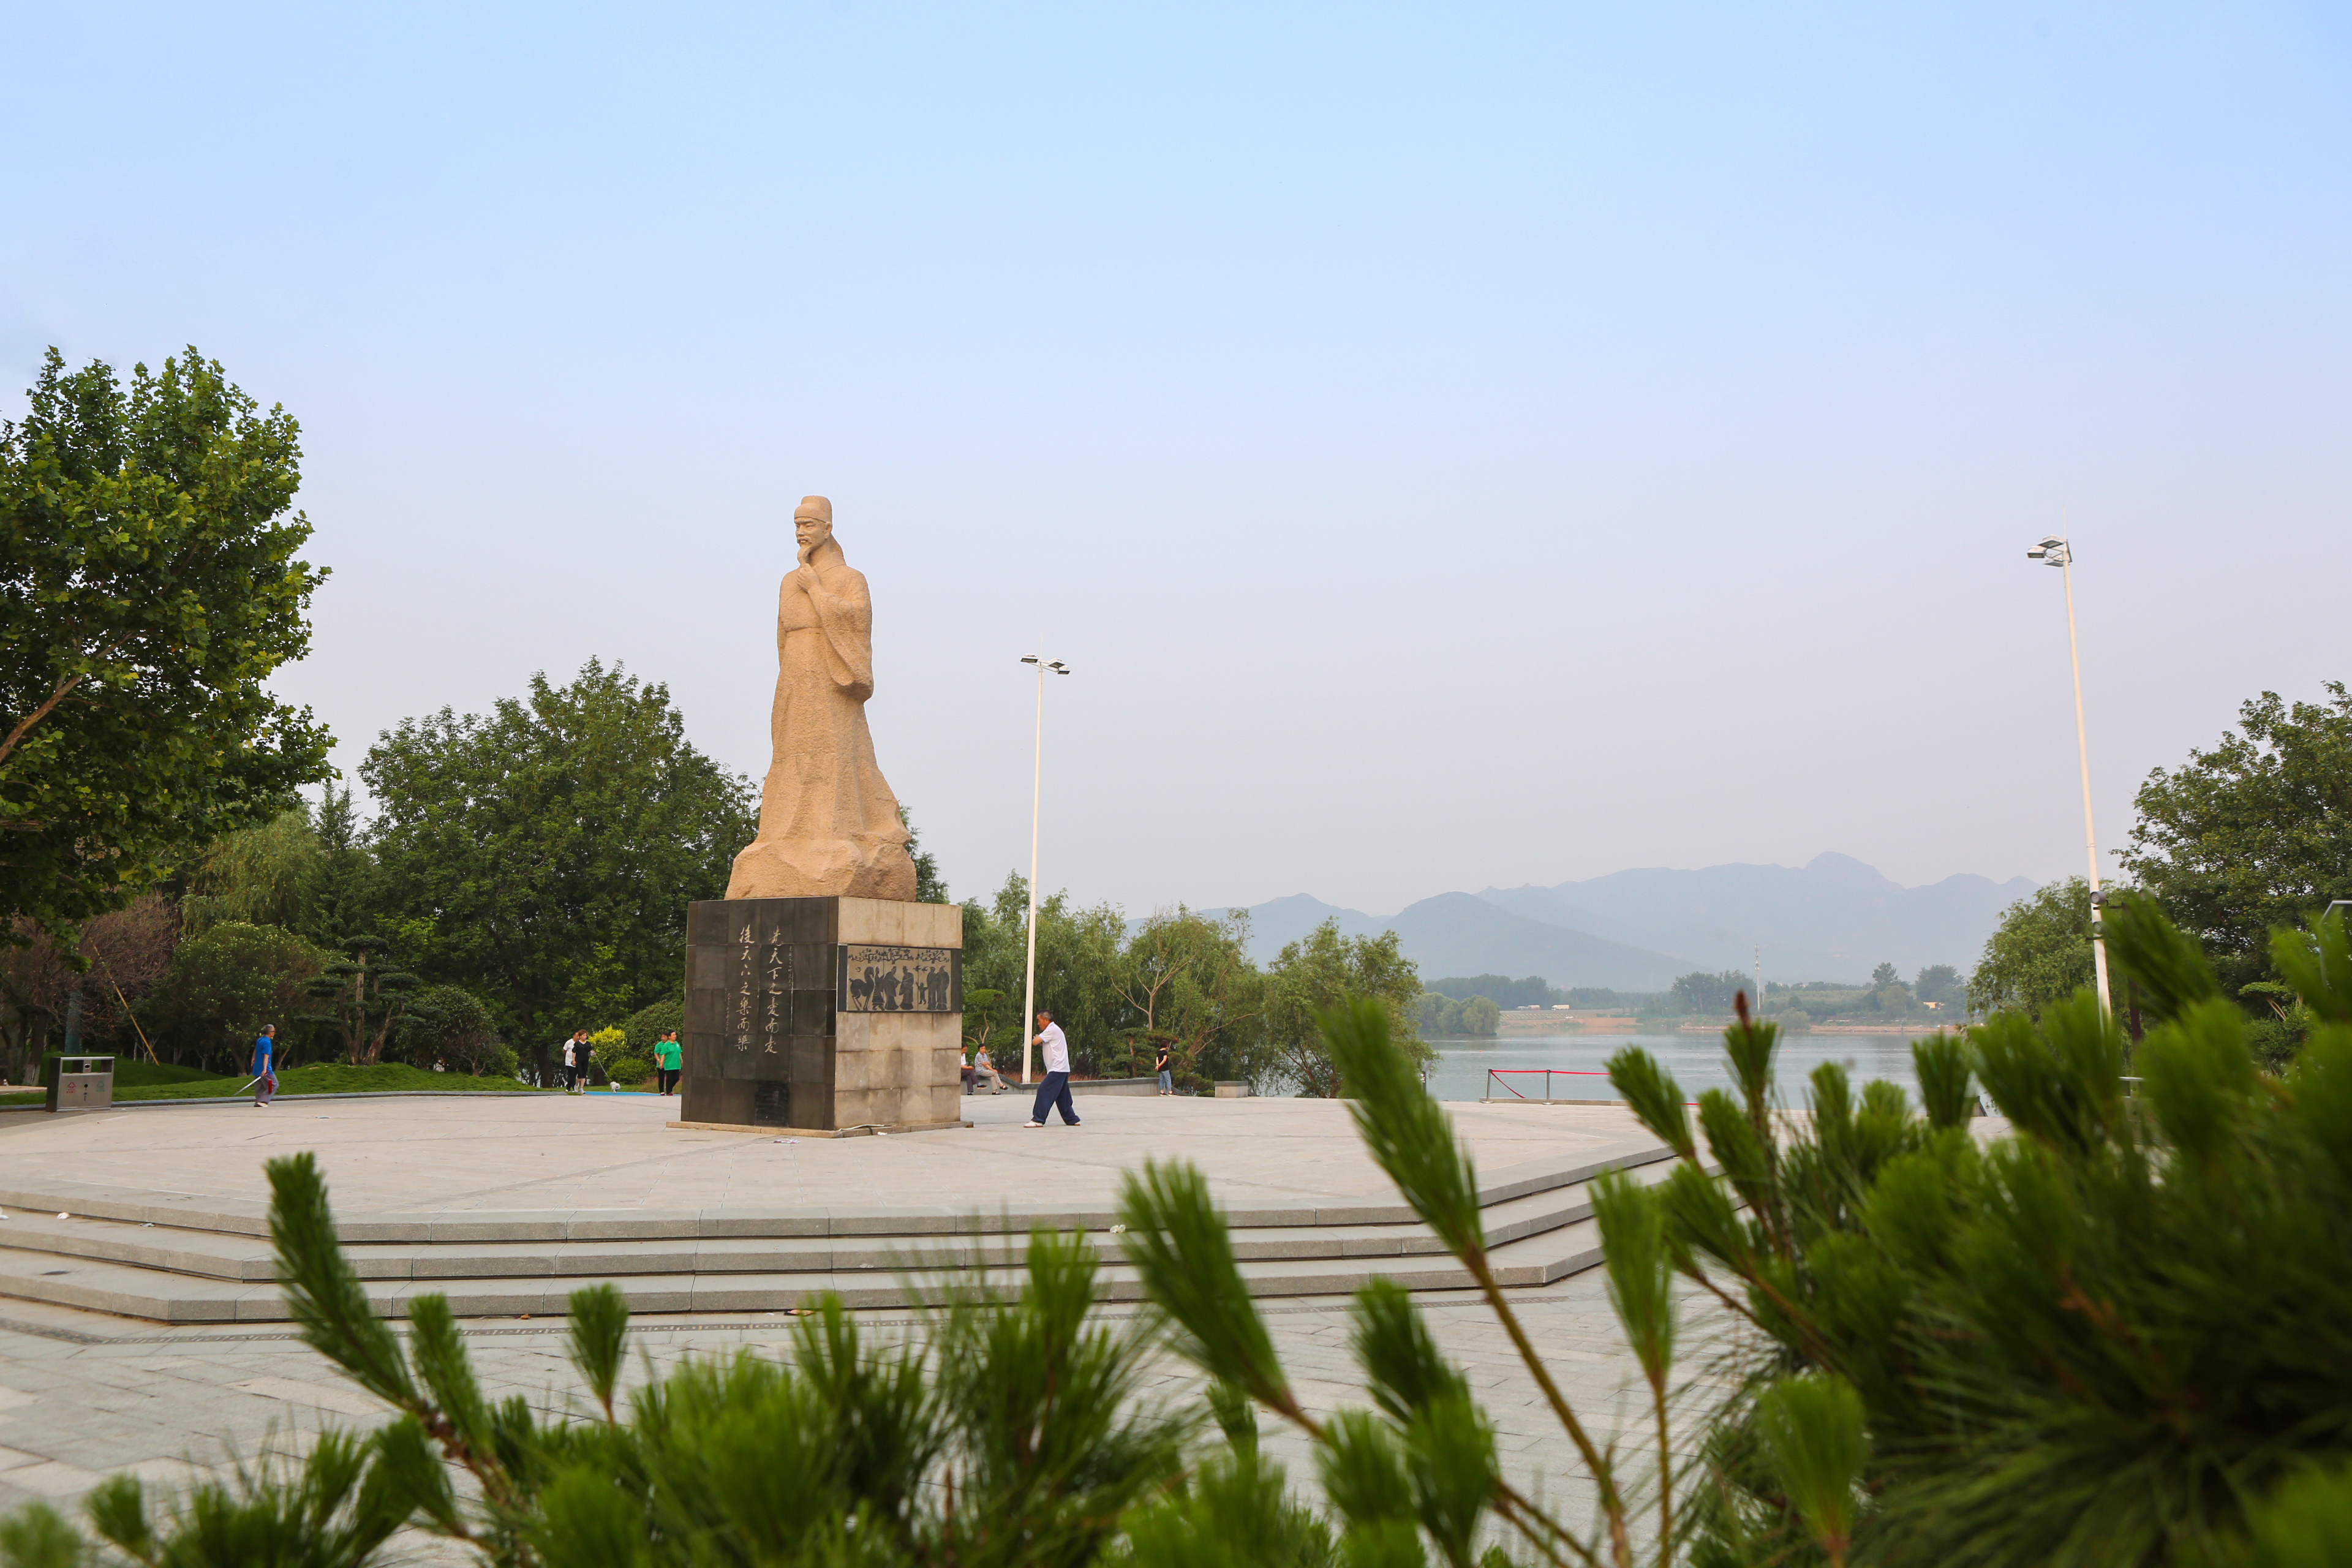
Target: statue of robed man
pixel 828 823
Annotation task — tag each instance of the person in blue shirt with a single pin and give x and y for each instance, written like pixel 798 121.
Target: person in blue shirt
pixel 264 1080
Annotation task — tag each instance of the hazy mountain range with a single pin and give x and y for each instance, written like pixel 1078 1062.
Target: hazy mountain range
pixel 1831 919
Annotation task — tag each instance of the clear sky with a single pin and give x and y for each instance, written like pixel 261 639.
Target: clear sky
pixel 1452 443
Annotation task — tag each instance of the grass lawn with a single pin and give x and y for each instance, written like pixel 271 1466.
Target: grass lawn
pixel 129 1073
pixel 327 1078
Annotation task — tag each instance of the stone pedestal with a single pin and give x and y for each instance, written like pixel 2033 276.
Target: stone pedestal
pixel 823 1013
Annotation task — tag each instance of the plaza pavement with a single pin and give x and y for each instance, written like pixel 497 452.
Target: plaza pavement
pixel 83 1395
pixel 607 1154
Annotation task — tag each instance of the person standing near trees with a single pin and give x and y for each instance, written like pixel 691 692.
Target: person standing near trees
pixel 1053 1089
pixel 669 1058
pixel 575 1062
pixel 1160 1066
pixel 264 1080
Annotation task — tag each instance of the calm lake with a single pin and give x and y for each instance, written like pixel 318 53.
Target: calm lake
pixel 1695 1060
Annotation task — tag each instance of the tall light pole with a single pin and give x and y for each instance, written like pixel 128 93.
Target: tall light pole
pixel 2056 551
pixel 1037 795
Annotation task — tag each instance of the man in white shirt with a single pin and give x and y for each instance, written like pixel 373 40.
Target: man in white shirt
pixel 1055 1089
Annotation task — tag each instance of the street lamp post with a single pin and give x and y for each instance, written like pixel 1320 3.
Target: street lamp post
pixel 1037 795
pixel 2054 551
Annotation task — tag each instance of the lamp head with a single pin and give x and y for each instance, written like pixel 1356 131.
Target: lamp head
pixel 2051 551
pixel 1058 667
pixel 1028 659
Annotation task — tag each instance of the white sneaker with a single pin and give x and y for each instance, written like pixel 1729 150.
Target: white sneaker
pixel 1032 1124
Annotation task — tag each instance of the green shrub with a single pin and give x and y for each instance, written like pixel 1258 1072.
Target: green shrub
pixel 649 1024
pixel 450 1024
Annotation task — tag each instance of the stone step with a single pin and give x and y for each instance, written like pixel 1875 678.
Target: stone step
pixel 174 1298
pixel 246 1259
pixel 250 1216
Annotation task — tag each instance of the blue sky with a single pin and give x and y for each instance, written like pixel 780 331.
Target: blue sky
pixel 1453 445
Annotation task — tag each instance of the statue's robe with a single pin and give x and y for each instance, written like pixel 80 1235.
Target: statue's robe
pixel 828 823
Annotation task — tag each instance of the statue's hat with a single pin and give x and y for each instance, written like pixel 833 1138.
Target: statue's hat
pixel 814 508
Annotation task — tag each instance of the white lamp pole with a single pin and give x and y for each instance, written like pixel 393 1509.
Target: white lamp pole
pixel 1036 795
pixel 2056 551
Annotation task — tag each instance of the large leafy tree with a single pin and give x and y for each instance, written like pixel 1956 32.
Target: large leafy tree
pixel 148 590
pixel 1190 980
pixel 2039 954
pixel 1082 970
pixel 226 982
pixel 2253 834
pixel 1700 992
pixel 1318 972
pixel 542 854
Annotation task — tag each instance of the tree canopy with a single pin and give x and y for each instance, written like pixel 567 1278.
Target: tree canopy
pixel 2253 834
pixel 542 854
pixel 1700 992
pixel 2039 954
pixel 1315 974
pixel 149 589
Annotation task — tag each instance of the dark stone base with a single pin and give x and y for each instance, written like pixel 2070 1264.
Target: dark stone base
pixel 782 1031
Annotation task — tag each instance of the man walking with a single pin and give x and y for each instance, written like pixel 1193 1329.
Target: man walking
pixel 1055 1089
pixel 264 1080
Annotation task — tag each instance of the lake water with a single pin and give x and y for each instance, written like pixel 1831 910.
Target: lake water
pixel 1695 1060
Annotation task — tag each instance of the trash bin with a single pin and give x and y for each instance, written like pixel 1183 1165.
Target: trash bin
pixel 78 1083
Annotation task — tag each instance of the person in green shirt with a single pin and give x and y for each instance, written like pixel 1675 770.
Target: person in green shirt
pixel 667 1053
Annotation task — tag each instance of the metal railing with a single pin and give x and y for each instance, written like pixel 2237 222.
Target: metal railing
pixel 1496 1076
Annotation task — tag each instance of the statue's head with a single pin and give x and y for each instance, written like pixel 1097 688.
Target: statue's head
pixel 813 522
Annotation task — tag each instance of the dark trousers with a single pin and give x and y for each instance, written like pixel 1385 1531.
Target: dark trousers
pixel 1055 1090
pixel 668 1079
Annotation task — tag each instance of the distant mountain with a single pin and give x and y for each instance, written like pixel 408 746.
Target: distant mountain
pixel 1458 933
pixel 1831 919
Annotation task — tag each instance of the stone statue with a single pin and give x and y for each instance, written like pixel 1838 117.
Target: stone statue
pixel 828 823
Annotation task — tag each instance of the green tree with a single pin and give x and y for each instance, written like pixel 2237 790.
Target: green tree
pixel 2039 954
pixel 1533 991
pixel 1438 1016
pixel 228 980
pixel 930 888
pixel 345 895
pixel 542 854
pixel 264 875
pixel 1883 976
pixel 1939 983
pixel 1081 971
pixel 364 1001
pixel 1480 1017
pixel 1700 992
pixel 1318 972
pixel 648 1025
pixel 450 1024
pixel 148 590
pixel 2253 834
pixel 1189 978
